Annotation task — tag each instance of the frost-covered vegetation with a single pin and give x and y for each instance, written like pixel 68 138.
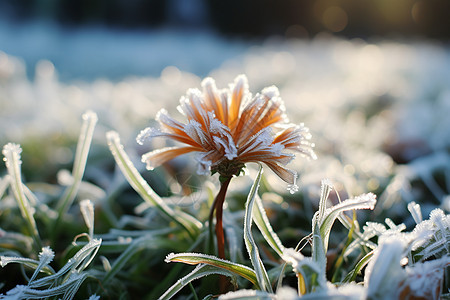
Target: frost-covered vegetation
pixel 81 217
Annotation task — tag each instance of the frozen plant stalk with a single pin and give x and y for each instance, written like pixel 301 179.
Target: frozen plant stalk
pixel 11 153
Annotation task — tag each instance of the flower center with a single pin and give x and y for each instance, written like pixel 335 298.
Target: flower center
pixel 228 168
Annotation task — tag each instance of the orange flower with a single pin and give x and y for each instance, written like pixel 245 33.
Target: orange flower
pixel 229 128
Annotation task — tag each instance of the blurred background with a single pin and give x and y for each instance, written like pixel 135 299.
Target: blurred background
pixel 90 38
pixel 370 78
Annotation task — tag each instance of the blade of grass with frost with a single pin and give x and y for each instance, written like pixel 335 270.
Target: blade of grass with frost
pixel 87 210
pixel 310 276
pixel 360 239
pixel 340 259
pixel 68 288
pixel 12 160
pixel 81 154
pixel 415 211
pixel 261 274
pixel 200 271
pixel 138 183
pixel 75 265
pixel 359 266
pixel 364 201
pixel 28 262
pixel 318 254
pixel 262 221
pixel 248 294
pixel 45 257
pixel 198 258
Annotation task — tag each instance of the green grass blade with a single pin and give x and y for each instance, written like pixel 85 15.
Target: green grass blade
pixel 261 273
pixel 365 201
pixel 357 269
pixel 138 183
pixel 319 252
pixel 81 154
pixel 28 262
pixel 199 272
pixel 262 221
pixel 198 258
pixel 12 160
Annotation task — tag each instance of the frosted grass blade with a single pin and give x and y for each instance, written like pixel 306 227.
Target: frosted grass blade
pixel 75 265
pixel 248 295
pixel 310 276
pixel 261 273
pixel 365 201
pixel 68 288
pixel 319 252
pixel 87 211
pixel 31 263
pixel 81 154
pixel 198 258
pixel 45 257
pixel 138 183
pixel 200 271
pixel 262 221
pixel 11 153
pixel 359 266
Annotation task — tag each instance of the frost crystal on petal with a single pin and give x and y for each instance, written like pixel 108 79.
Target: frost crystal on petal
pixel 147 134
pixel 229 128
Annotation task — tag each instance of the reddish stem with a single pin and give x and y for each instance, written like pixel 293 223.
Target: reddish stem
pixel 218 207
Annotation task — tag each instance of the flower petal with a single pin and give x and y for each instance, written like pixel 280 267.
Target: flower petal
pixel 157 157
pixel 239 93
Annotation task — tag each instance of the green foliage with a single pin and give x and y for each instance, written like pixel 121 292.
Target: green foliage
pixel 122 232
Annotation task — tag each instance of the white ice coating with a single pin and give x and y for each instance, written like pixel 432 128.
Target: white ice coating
pixel 87 210
pixel 230 148
pixel 204 164
pixel 148 133
pixel 163 118
pixel 224 138
pixel 424 279
pixel 11 153
pixel 90 116
pixel 147 157
pixel 262 139
pixel 195 131
pixel 384 272
pixel 46 254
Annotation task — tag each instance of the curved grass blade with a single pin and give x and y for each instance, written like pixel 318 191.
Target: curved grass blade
pixel 138 183
pixel 68 288
pixel 310 276
pixel 262 222
pixel 364 201
pixel 200 271
pixel 261 273
pixel 357 269
pixel 198 258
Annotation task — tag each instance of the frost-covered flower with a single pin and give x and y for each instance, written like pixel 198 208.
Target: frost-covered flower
pixel 229 128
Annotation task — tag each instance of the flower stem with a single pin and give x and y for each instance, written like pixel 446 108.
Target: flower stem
pixel 218 208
